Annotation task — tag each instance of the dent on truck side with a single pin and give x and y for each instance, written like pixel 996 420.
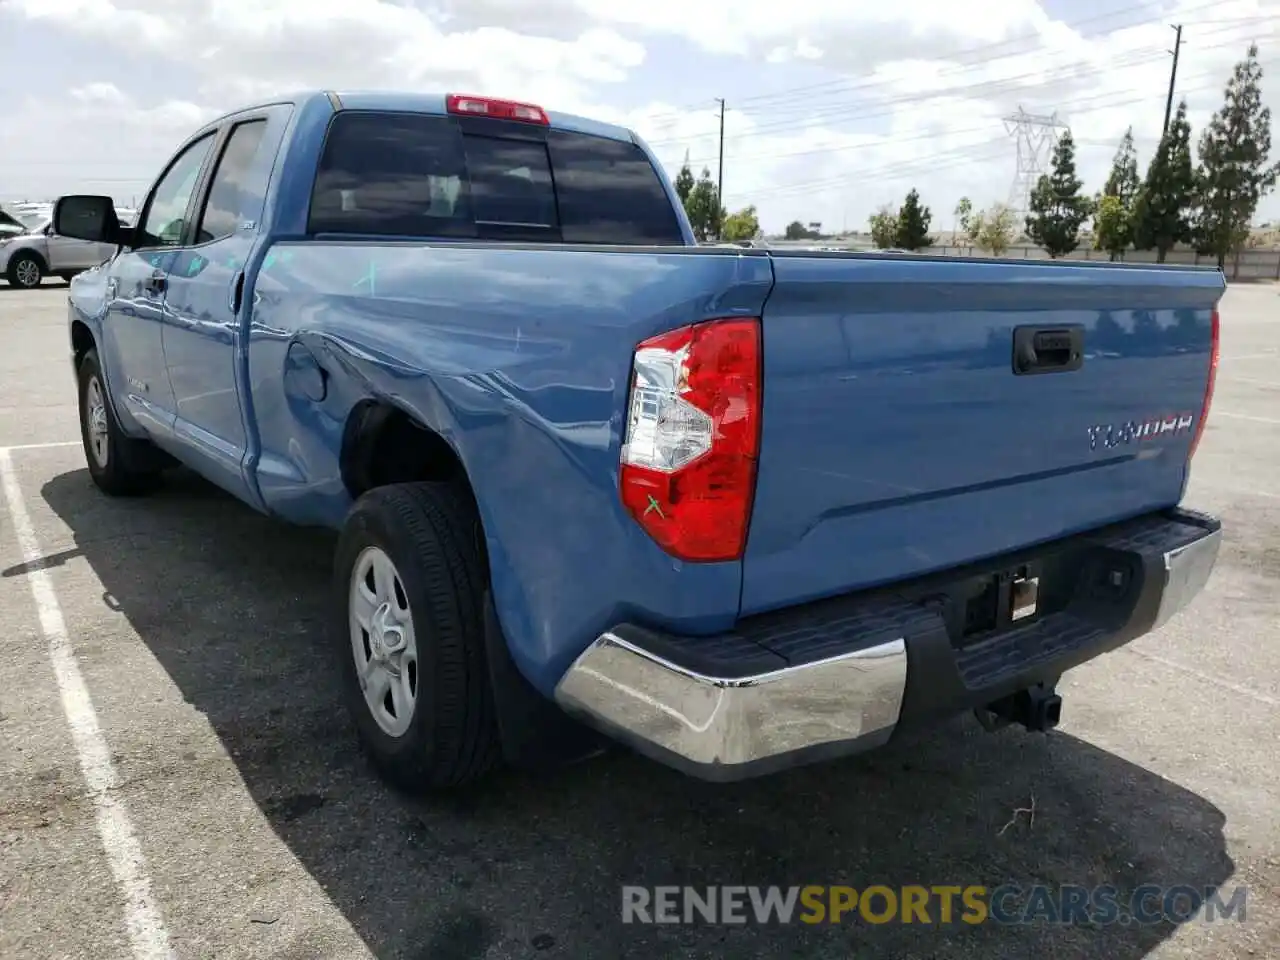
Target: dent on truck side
pixel 520 360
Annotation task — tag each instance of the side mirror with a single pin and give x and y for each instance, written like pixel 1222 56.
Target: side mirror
pixel 87 218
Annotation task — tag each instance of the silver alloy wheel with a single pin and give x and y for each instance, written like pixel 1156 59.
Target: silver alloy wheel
pixel 27 272
pixel 96 421
pixel 382 640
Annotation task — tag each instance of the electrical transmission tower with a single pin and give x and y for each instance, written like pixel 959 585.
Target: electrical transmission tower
pixel 1035 135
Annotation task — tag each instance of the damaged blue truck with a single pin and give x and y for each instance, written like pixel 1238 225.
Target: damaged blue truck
pixel 736 509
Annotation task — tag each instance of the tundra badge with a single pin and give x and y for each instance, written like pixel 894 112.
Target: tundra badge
pixel 1110 435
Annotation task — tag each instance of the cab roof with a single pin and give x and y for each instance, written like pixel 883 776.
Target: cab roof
pixel 428 103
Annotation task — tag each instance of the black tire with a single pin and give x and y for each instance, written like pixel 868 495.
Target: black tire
pixel 130 467
pixel 25 272
pixel 430 533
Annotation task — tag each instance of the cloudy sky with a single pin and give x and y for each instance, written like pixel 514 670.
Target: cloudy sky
pixel 834 106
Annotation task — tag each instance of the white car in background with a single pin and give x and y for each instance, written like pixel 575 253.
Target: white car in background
pixel 27 258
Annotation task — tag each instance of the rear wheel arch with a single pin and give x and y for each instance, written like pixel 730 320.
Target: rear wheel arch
pixel 384 444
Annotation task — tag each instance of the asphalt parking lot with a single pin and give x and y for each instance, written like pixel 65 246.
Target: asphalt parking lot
pixel 198 630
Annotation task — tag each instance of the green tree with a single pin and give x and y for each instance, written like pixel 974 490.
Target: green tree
pixel 884 226
pixel 1122 187
pixel 1058 209
pixel 912 231
pixel 1161 214
pixel 1111 225
pixel 742 225
pixel 703 208
pixel 1123 180
pixel 963 212
pixel 1234 173
pixel 993 229
pixel 684 183
pixel 796 231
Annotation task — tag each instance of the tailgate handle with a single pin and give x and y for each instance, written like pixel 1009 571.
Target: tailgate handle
pixel 1047 349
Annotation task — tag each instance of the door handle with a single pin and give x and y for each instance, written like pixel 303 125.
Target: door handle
pixel 1047 349
pixel 155 283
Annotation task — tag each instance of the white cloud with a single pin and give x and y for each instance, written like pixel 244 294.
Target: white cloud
pixel 848 103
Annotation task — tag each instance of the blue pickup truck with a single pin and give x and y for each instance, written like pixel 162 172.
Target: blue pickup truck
pixel 737 509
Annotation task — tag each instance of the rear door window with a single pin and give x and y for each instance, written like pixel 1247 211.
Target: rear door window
pixel 421 176
pixel 609 192
pixel 392 175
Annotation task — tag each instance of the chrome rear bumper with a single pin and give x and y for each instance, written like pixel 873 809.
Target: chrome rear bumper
pixel 736 720
pixel 752 717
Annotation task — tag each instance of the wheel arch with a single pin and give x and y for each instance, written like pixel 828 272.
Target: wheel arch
pixel 82 341
pixel 35 255
pixel 383 443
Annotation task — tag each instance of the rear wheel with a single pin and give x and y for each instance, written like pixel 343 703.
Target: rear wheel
pixel 25 271
pixel 411 635
pixel 118 464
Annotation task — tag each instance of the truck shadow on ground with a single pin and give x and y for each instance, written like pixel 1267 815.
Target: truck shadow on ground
pixel 536 863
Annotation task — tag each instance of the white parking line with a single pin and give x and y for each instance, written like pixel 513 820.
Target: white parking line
pixel 42 446
pixel 1242 416
pixel 1207 677
pixel 147 932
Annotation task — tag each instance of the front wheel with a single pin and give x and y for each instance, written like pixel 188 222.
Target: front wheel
pixel 118 464
pixel 25 271
pixel 410 635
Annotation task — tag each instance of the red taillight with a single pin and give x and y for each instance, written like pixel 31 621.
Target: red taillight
pixel 498 109
pixel 693 431
pixel 1208 389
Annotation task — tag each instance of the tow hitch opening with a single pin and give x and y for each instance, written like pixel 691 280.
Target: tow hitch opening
pixel 1037 708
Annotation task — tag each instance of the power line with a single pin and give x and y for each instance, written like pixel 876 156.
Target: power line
pixel 1049 81
pixel 1107 96
pixel 1076 70
pixel 923 164
pixel 959 54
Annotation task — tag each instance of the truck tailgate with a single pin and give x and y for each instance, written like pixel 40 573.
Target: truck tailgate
pixel 897 438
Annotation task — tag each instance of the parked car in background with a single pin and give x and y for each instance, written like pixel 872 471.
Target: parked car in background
pixel 27 258
pixel 10 225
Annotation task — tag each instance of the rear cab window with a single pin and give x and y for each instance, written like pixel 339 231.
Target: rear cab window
pixel 418 175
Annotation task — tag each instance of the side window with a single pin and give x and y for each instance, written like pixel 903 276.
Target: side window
pixel 165 219
pixel 238 185
pixel 510 182
pixel 609 192
pixel 391 175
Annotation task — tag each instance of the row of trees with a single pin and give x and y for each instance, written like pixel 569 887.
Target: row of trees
pixel 1208 205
